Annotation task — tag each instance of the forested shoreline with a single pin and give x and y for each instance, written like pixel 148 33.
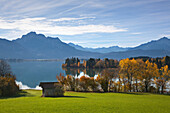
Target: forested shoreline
pixel 111 63
pixel 140 74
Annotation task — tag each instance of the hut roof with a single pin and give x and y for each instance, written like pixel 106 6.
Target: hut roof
pixel 48 84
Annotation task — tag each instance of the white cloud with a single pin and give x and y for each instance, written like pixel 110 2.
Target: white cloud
pixel 31 7
pixel 164 35
pixel 2 37
pixel 71 19
pixel 46 26
pixel 75 30
pixel 73 8
pixel 137 33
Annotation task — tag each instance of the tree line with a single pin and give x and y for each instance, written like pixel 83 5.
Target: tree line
pixel 131 75
pixel 159 61
pixel 91 63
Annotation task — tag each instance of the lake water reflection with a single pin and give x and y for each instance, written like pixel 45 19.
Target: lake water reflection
pixel 31 73
pixel 77 72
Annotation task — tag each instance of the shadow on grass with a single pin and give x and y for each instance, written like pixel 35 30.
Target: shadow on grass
pixel 68 97
pixel 20 94
pixel 134 93
pixel 143 93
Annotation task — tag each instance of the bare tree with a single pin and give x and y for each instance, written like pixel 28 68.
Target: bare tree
pixel 4 68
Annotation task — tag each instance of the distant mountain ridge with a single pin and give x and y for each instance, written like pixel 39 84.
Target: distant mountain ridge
pixel 136 53
pixel 100 50
pixel 161 44
pixel 38 46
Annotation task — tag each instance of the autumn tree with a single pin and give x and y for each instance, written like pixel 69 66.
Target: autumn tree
pixel 134 71
pixel 105 78
pixel 102 82
pixel 99 64
pixel 124 80
pixel 61 79
pixel 148 72
pixel 127 68
pixel 90 63
pixel 138 66
pixel 84 82
pixel 164 76
pixel 8 86
pixel 93 84
pixel 70 82
pixel 106 63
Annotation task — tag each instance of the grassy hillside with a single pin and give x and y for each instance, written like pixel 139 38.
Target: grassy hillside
pixel 30 101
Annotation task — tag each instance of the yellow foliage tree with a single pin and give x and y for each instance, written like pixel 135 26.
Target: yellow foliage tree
pixel 148 73
pixel 163 77
pixel 128 69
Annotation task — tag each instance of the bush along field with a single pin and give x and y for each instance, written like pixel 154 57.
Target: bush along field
pixel 32 102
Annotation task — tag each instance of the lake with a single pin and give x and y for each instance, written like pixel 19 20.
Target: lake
pixel 31 73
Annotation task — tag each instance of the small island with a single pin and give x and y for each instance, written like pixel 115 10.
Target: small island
pixel 90 63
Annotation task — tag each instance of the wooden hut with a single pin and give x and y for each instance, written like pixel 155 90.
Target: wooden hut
pixel 51 89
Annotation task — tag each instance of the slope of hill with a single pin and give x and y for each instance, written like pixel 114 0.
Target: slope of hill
pixel 10 49
pixel 136 53
pixel 161 44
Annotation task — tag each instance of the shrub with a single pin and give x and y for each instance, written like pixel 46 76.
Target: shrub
pixel 8 86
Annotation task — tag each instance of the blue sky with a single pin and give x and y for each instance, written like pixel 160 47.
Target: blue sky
pixel 89 23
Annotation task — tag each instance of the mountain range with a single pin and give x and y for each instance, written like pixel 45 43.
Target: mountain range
pixel 38 46
pixel 100 50
pixel 161 44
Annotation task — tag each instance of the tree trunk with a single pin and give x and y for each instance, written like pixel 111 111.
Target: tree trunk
pixel 119 85
pixel 162 91
pixel 146 86
pixel 124 86
pixel 158 89
pixel 109 86
pixel 130 85
pixel 136 85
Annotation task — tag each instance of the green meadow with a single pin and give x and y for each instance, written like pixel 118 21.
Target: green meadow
pixel 31 101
